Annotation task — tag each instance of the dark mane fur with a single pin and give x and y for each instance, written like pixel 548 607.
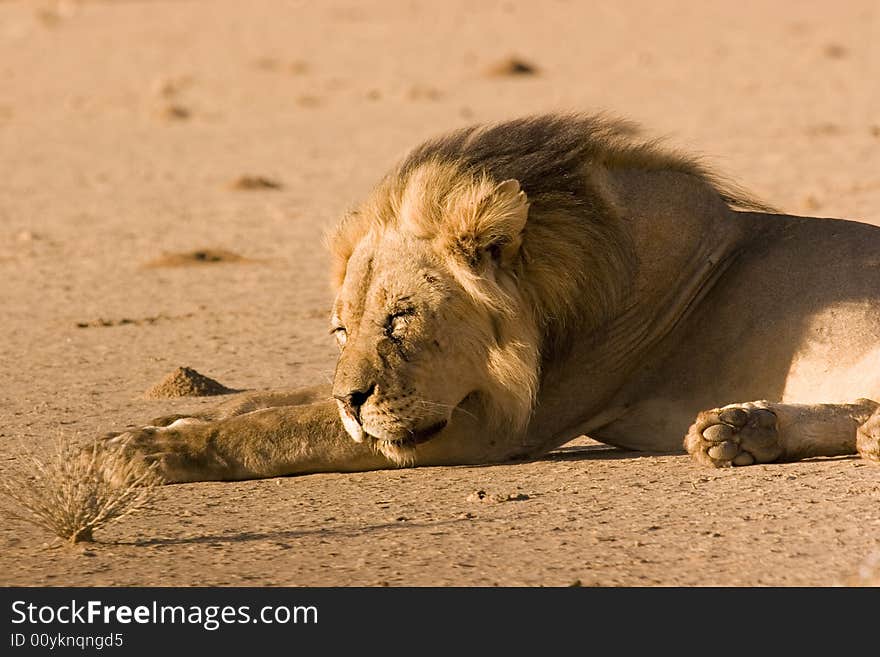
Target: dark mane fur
pixel 548 154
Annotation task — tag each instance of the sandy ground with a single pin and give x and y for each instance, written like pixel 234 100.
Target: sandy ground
pixel 125 130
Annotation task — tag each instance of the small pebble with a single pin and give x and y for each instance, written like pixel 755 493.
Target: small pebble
pixel 254 182
pixel 512 66
pixel 175 113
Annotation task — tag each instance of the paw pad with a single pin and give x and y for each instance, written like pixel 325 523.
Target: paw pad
pixel 734 435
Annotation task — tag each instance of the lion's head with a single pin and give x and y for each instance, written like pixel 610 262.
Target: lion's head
pixel 455 288
pixel 427 314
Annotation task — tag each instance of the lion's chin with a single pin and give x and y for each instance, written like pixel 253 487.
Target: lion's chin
pixel 402 451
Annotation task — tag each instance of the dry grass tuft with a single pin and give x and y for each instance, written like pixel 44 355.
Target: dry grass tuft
pixel 75 490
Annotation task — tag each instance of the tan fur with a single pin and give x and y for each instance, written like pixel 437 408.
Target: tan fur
pixel 507 288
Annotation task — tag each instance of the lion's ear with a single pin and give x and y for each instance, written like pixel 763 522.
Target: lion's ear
pixel 490 232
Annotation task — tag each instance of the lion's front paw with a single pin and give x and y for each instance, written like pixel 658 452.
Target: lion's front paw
pixel 178 452
pixel 168 420
pixel 738 434
pixel 868 438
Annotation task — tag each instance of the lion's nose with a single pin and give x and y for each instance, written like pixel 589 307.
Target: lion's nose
pixel 353 400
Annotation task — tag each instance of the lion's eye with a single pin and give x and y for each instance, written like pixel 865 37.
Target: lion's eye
pixel 341 335
pixel 396 325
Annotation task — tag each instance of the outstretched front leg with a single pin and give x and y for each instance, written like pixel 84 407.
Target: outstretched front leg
pixel 268 442
pixel 251 401
pixel 299 432
pixel 763 432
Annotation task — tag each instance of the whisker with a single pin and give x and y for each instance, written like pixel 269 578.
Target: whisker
pixel 323 373
pixel 431 404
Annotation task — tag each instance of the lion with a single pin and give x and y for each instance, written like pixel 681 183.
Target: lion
pixel 507 288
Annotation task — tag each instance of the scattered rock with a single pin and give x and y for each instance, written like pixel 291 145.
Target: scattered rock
pixel 295 67
pixel 102 323
pixel 48 17
pixel 168 87
pixel 186 382
pixel 200 257
pixel 514 66
pixel 483 496
pixel 422 92
pixel 306 100
pixel 812 203
pixel 267 63
pixel 477 496
pixel 826 129
pixel 175 113
pixel 835 51
pixel 255 182
pixel 139 321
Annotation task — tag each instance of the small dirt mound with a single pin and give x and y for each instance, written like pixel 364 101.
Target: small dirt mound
pixel 200 257
pixel 186 382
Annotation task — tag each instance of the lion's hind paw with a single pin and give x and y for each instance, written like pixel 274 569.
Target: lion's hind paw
pixel 868 438
pixel 734 435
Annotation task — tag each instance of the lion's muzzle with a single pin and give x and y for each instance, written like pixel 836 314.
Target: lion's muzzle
pixel 350 423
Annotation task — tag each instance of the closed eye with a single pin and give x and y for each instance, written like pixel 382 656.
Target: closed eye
pixel 341 335
pixel 395 325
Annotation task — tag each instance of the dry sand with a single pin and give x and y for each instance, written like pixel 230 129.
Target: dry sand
pixel 126 129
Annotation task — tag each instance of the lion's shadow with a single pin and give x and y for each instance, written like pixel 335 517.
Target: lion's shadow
pixel 287 534
pixel 564 453
pixel 599 453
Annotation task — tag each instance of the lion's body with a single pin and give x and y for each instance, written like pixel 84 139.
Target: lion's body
pixel 793 319
pixel 507 289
